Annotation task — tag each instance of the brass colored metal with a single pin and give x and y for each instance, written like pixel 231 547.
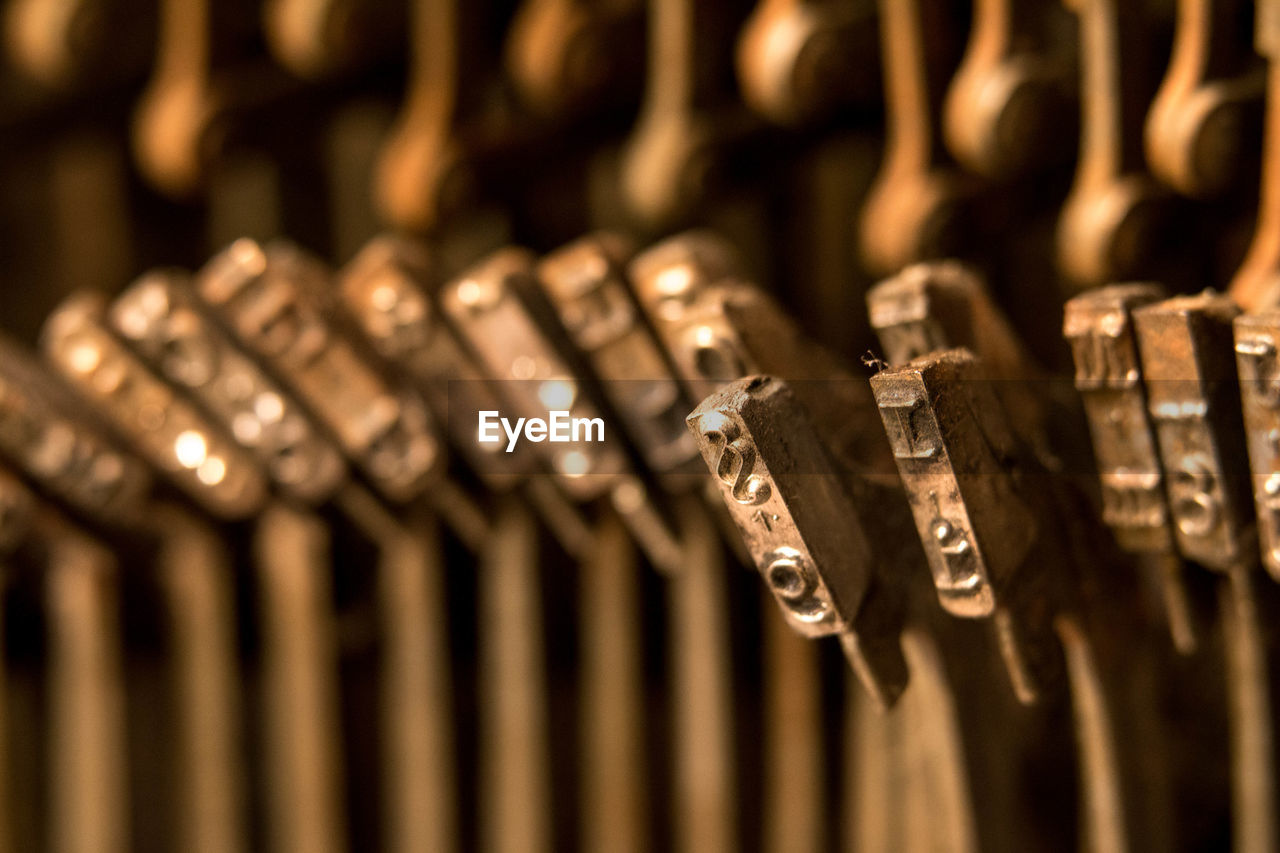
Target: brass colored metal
pixel 1193 396
pixel 304 807
pixel 1002 113
pixel 1116 788
pixel 159 317
pixel 795 760
pixel 1107 228
pixel 418 790
pixel 1255 287
pixel 515 759
pixel 423 176
pixel 1252 691
pixel 201 76
pixel 88 807
pixel 488 304
pixel 800 60
pixel 1200 125
pixel 270 299
pixel 944 304
pixel 195 574
pixel 177 439
pixel 319 38
pixel 718 328
pixel 671 160
pixel 614 769
pixel 704 788
pixel 564 55
pixel 68 44
pixel 385 289
pixel 913 210
pixel 800 524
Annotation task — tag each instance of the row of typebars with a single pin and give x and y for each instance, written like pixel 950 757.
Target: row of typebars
pixel 877 301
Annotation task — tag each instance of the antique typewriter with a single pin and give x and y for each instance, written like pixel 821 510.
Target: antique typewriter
pixel 600 425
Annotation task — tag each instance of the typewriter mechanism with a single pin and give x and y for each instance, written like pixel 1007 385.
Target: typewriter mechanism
pixel 524 426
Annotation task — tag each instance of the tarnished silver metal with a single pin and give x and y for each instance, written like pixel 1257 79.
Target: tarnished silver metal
pixel 978 512
pixel 493 306
pixel 800 523
pixel 586 285
pixel 941 305
pixel 166 430
pixel 717 327
pixel 1099 326
pixel 383 289
pixel 1257 338
pixel 271 300
pixel 485 306
pixel 68 456
pixel 1193 395
pixel 671 280
pixel 159 317
pixel 953 447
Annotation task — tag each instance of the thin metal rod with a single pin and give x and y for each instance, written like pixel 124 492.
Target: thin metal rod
pixel 614 773
pixel 515 774
pixel 88 800
pixel 299 678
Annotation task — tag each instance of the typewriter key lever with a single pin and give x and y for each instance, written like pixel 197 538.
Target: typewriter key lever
pixel 1108 226
pixel 423 173
pixel 1256 286
pixel 159 317
pixel 1003 108
pixel 492 306
pixel 1257 337
pixel 272 301
pixel 1207 109
pixel 687 117
pixel 801 525
pixel 799 60
pixel 174 436
pixel 973 505
pixel 1193 396
pixel 567 55
pixel 1099 326
pixel 913 210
